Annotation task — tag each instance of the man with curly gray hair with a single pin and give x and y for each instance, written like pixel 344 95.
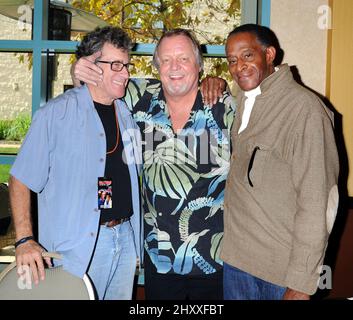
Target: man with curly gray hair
pixel 82 144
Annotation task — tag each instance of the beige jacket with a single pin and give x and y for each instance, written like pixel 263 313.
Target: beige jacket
pixel 281 194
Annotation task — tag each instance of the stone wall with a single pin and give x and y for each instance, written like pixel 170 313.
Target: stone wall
pixel 16 77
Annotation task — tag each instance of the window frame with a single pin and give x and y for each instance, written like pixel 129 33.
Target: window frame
pixel 253 11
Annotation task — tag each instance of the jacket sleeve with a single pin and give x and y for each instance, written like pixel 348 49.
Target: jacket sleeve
pixel 315 169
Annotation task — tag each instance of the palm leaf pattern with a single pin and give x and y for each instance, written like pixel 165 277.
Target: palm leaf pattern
pixel 151 214
pixel 134 92
pixel 162 239
pixel 183 195
pixel 184 257
pixel 202 263
pixel 216 241
pixel 170 169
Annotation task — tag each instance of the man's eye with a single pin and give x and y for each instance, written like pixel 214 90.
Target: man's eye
pixel 231 62
pixel 248 55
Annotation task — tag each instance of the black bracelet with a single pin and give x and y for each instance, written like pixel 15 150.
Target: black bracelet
pixel 23 240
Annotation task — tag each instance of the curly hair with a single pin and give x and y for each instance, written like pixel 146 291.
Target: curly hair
pixel 95 40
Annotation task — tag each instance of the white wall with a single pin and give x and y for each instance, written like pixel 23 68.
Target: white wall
pixel 296 23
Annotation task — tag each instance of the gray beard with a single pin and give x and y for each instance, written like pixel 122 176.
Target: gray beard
pixel 181 89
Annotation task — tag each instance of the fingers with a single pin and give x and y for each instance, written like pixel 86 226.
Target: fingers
pixel 30 262
pixel 34 271
pixel 218 87
pixel 87 71
pixel 216 93
pixel 95 56
pixel 212 88
pixel 48 261
pixel 38 272
pixel 222 87
pixel 291 294
pixel 204 90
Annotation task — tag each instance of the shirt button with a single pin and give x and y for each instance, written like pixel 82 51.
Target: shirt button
pixel 92 234
pixel 160 214
pixel 95 210
pixel 101 134
pixel 101 159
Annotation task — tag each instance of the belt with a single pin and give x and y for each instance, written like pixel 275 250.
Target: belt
pixel 114 222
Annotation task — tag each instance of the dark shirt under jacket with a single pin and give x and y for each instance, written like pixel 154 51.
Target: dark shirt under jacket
pixel 115 167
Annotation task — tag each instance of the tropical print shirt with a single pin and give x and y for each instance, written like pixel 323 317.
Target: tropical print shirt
pixel 184 178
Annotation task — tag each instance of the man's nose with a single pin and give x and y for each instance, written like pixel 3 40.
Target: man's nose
pixel 125 71
pixel 241 65
pixel 175 64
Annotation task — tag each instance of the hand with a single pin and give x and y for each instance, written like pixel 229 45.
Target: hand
pixel 29 254
pixel 86 70
pixel 291 294
pixel 212 88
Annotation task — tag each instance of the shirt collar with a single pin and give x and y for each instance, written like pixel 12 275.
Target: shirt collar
pixel 253 93
pixel 257 91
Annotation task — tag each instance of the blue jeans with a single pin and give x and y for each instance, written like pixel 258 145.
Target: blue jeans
pixel 113 265
pixel 239 285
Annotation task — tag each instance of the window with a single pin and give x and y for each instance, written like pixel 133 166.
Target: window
pixel 27 88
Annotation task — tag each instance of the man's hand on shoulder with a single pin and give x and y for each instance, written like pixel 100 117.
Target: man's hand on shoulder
pixel 291 294
pixel 212 89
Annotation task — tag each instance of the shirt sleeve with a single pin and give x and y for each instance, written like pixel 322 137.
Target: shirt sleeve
pixel 31 166
pixel 314 174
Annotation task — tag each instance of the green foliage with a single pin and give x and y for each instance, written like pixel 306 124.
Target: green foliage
pixel 4 172
pixel 145 21
pixel 10 150
pixel 4 128
pixel 25 56
pixel 217 67
pixel 15 129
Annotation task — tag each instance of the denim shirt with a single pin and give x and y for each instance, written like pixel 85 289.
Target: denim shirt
pixel 61 158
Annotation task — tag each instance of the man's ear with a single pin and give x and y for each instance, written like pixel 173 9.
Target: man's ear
pixel 270 54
